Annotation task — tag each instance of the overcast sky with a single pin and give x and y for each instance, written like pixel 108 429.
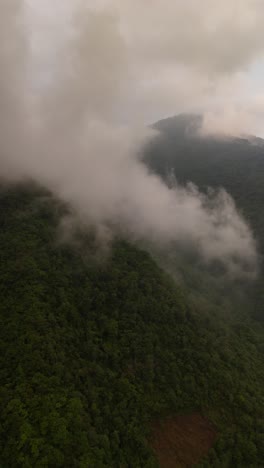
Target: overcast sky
pixel 174 56
pixel 81 79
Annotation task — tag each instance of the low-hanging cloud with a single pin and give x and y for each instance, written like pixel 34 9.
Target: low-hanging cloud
pixel 60 124
pixel 219 37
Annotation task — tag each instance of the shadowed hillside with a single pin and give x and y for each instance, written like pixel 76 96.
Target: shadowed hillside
pixel 92 353
pixel 235 164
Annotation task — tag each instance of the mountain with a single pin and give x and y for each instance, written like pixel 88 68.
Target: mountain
pixel 97 353
pixel 237 164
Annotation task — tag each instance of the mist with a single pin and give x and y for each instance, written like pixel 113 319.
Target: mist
pixel 65 90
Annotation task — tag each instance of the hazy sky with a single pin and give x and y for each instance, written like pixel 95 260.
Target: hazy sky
pixel 79 81
pixel 179 56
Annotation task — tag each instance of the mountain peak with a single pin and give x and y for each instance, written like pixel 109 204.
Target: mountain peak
pixel 184 124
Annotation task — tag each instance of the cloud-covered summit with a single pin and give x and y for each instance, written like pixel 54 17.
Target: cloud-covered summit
pixel 67 89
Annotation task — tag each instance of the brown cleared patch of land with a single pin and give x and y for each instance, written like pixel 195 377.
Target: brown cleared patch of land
pixel 182 441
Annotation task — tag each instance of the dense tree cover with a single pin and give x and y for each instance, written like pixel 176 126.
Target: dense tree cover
pixel 92 352
pixel 237 164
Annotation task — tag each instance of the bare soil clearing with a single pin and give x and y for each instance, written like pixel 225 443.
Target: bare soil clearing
pixel 182 441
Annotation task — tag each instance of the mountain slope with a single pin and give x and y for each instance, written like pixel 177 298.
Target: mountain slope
pixel 92 353
pixel 237 165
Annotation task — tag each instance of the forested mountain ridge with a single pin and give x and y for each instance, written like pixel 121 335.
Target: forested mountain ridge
pixel 92 353
pixel 235 164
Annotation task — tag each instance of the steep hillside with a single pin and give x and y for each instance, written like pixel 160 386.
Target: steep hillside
pixel 92 353
pixel 237 165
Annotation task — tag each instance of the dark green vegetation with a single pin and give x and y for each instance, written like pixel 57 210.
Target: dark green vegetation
pixel 237 164
pixel 92 353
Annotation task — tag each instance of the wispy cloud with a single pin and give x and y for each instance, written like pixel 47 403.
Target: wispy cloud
pixel 67 130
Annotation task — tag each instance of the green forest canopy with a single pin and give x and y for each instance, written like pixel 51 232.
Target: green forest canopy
pixel 92 352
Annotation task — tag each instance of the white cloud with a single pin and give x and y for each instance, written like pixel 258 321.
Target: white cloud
pixel 216 37
pixel 66 132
